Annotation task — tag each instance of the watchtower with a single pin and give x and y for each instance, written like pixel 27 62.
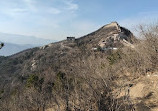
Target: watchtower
pixel 72 39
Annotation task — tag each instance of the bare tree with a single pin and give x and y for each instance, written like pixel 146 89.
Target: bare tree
pixel 1 45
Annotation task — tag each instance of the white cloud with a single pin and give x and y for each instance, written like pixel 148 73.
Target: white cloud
pixel 19 10
pixel 13 12
pixel 38 6
pixel 30 4
pixel 54 11
pixel 45 18
pixel 71 6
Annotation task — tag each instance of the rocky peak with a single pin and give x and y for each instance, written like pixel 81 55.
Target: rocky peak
pixel 109 36
pixel 117 37
pixel 113 24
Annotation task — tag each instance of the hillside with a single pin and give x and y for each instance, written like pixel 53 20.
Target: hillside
pixel 93 72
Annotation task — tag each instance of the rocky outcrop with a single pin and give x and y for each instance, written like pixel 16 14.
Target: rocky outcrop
pixel 119 37
pixel 110 36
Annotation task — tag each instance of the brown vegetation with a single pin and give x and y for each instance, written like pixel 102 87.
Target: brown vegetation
pixel 69 77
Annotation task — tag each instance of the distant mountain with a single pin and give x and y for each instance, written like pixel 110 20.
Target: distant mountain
pixel 10 49
pixel 15 43
pixel 22 39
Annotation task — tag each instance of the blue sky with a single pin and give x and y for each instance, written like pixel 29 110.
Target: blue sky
pixel 56 19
